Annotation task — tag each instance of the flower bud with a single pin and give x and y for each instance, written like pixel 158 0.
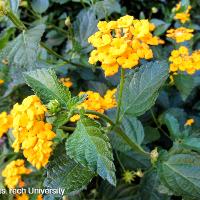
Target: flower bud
pixel 53 106
pixel 68 22
pixel 2 8
pixel 154 10
pixel 154 155
pixel 24 4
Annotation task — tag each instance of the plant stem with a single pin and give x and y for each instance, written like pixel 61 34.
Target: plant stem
pixel 106 118
pixel 157 124
pixel 135 147
pixel 16 21
pixel 121 86
pixel 119 161
pixel 66 128
pixel 120 133
pixel 20 25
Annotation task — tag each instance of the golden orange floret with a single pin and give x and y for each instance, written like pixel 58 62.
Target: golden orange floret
pixel 182 16
pixel 66 82
pixel 189 122
pixel 181 60
pixel 24 196
pixel 5 123
pixel 96 103
pixel 180 34
pixel 13 172
pixel 110 99
pixel 122 43
pixel 1 81
pixel 31 133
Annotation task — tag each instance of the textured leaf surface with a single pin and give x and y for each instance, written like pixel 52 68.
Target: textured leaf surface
pixel 185 84
pixel 142 86
pixel 85 26
pixel 149 187
pixel 181 174
pixel 192 143
pixel 172 124
pixel 133 129
pixel 40 5
pixel 21 53
pixel 105 8
pixel 46 85
pixel 122 191
pixel 90 146
pixel 65 173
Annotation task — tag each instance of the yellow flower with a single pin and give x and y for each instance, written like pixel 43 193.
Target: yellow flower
pixel 5 123
pixel 31 133
pixel 39 197
pixel 96 103
pixel 122 43
pixel 66 82
pixel 180 34
pixel 128 176
pixel 24 196
pixel 13 172
pixel 125 21
pixel 182 16
pixel 1 81
pixel 182 61
pixel 189 122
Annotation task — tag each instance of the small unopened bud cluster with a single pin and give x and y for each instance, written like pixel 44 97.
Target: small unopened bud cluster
pixel 3 9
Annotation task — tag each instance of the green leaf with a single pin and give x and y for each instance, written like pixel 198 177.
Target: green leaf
pixel 161 26
pixel 122 191
pixel 65 173
pixel 133 129
pixel 185 84
pixel 149 187
pixel 191 143
pixel 4 37
pixel 151 134
pixel 21 53
pixel 40 6
pixel 172 124
pixel 60 1
pixel 181 174
pixel 61 118
pixel 133 161
pixel 47 87
pixel 184 5
pixel 142 87
pixel 90 146
pixel 105 8
pixel 84 26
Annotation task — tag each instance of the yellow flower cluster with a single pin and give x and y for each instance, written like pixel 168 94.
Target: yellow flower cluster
pixel 122 43
pixel 189 122
pixel 182 61
pixel 24 196
pixel 1 81
pixel 66 82
pixel 5 123
pixel 31 133
pixel 180 34
pixel 97 103
pixel 13 172
pixel 182 16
